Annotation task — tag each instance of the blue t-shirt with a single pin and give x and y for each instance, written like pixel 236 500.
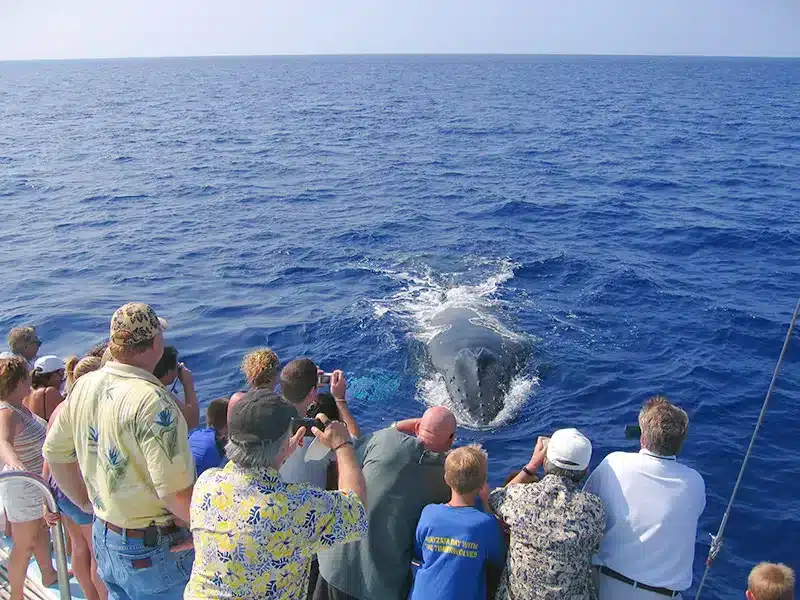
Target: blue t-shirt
pixel 203 444
pixel 454 545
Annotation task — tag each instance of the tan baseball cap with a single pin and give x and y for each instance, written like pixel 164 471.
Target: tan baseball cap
pixel 135 323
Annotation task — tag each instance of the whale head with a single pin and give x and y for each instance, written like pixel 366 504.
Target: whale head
pixel 478 382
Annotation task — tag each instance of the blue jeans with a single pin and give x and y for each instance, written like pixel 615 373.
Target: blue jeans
pixel 133 571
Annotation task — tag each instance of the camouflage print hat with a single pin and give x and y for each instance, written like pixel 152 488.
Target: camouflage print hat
pixel 135 323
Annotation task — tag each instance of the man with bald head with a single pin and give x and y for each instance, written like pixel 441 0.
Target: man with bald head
pixel 403 468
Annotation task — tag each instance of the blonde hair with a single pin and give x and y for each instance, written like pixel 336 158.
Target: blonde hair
pixel 78 368
pixel 260 368
pixel 465 469
pixel 768 581
pixel 664 426
pixel 12 371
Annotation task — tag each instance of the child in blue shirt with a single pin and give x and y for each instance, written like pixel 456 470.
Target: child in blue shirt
pixel 456 542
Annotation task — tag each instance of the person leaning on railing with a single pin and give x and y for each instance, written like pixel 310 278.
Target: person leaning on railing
pixel 555 527
pixel 653 503
pixel 123 431
pixel 21 436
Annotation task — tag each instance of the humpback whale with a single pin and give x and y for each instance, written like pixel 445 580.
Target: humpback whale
pixel 477 363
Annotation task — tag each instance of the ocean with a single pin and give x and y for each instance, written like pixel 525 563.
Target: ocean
pixel 635 219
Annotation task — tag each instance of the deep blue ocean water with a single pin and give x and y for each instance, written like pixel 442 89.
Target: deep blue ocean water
pixel 636 219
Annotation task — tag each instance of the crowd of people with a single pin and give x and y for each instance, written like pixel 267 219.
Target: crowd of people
pixel 279 495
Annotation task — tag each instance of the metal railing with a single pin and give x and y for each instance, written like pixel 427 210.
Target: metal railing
pixel 58 541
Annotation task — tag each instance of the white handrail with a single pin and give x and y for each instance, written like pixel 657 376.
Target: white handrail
pixel 60 548
pixel 716 540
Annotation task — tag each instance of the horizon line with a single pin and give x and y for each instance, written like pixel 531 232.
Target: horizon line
pixel 397 54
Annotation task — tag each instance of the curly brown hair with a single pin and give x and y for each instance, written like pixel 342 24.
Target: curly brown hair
pixel 260 368
pixel 12 371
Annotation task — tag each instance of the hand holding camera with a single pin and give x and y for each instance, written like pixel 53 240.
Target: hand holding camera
pixel 334 434
pixel 185 376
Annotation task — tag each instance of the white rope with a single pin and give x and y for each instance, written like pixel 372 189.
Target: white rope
pixel 716 540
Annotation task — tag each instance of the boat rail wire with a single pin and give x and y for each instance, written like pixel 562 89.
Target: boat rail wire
pixel 60 548
pixel 716 540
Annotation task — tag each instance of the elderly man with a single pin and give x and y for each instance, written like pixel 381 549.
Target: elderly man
pixel 652 503
pixel 555 527
pixel 254 533
pixel 124 433
pixel 404 471
pixel 24 342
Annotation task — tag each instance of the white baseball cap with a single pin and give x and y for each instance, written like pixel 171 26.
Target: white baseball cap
pixel 569 449
pixel 49 364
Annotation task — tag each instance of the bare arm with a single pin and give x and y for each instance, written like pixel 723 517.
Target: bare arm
pixel 69 480
pixel 351 479
pixel 347 418
pixel 338 387
pixel 190 408
pixel 408 426
pixel 7 431
pixel 536 461
pixel 336 437
pixel 179 502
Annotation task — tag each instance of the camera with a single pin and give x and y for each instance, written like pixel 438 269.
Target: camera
pixel 324 379
pixel 298 422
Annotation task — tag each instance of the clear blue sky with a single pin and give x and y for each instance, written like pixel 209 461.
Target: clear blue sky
pixel 117 28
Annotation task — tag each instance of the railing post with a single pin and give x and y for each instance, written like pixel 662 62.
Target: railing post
pixel 60 547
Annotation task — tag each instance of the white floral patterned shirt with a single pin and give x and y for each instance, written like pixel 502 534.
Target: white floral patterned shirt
pixel 555 528
pixel 255 535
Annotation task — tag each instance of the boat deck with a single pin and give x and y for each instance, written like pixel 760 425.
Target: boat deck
pixel 34 590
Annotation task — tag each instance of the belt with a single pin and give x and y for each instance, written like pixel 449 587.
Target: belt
pixel 141 533
pixel 620 577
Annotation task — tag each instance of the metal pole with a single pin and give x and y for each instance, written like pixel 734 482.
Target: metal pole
pixel 716 540
pixel 60 548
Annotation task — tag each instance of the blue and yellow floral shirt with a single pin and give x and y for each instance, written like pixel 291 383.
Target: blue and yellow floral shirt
pixel 255 535
pixel 131 441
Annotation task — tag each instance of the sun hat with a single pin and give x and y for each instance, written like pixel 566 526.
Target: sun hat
pixel 569 449
pixel 135 323
pixel 261 417
pixel 49 364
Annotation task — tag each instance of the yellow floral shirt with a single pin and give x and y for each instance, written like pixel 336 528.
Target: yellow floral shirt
pixel 254 534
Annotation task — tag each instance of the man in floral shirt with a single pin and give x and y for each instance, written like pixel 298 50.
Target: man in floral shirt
pixel 254 534
pixel 555 527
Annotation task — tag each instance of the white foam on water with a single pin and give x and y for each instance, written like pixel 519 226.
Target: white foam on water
pixel 424 296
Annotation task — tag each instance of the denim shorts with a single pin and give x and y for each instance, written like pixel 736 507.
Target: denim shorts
pixel 133 571
pixel 66 506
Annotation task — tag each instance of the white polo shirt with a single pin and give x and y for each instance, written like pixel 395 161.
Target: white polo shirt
pixel 652 506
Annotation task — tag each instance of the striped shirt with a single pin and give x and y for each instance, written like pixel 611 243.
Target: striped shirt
pixel 28 442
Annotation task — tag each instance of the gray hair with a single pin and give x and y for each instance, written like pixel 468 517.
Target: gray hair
pixel 575 476
pixel 255 456
pixel 664 426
